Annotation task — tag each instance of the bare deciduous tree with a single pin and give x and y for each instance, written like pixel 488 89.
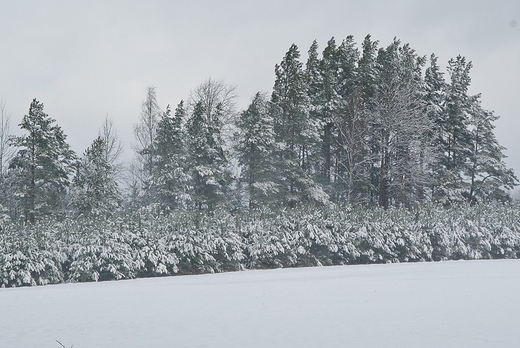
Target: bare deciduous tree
pixel 402 128
pixel 6 150
pixel 113 147
pixel 213 95
pixel 353 158
pixel 145 130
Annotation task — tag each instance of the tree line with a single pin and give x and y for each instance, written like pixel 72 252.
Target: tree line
pixel 355 125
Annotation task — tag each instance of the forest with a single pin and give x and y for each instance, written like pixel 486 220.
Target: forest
pixel 354 132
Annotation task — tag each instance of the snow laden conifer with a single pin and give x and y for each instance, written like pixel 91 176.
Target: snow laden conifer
pixel 296 134
pixel 435 108
pixel 255 149
pixel 485 170
pixel 453 126
pixel 207 158
pixel 317 93
pixel 322 81
pixel 43 164
pixel 367 69
pixel 366 84
pixel 169 182
pixel 94 190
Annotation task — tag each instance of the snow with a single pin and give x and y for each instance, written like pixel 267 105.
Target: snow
pixel 447 304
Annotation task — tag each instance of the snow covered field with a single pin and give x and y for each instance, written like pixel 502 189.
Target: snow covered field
pixel 446 304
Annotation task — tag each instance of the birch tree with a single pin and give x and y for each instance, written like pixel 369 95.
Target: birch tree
pixel 113 148
pixel 145 132
pixel 401 124
pixel 216 97
pixel 6 149
pixel 6 154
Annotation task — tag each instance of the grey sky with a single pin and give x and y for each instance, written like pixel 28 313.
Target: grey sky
pixel 87 59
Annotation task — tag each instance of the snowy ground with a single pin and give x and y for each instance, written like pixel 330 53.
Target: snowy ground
pixel 447 304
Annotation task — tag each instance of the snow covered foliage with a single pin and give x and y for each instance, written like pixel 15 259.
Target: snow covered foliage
pixel 255 147
pixel 30 256
pixel 168 184
pixel 295 133
pixel 209 174
pixel 148 244
pixel 42 165
pixel 94 190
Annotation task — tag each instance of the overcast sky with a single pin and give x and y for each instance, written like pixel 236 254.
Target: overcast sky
pixel 87 59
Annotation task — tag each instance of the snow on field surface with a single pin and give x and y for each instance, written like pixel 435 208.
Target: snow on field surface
pixel 447 304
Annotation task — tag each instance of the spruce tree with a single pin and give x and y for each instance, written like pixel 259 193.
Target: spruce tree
pixel 43 164
pixel 208 163
pixel 453 127
pixel 255 150
pixel 94 191
pixel 169 180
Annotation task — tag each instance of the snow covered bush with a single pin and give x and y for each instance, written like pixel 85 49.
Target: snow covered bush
pixel 148 244
pixel 97 250
pixel 31 256
pixel 207 243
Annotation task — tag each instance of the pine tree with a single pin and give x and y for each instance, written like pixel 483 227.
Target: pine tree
pixel 296 133
pixel 347 61
pixel 44 163
pixel 255 149
pixel 321 81
pixel 94 190
pixel 435 108
pixel 485 169
pixel 169 183
pixel 208 163
pixel 454 133
pixel 366 83
pixel 367 70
